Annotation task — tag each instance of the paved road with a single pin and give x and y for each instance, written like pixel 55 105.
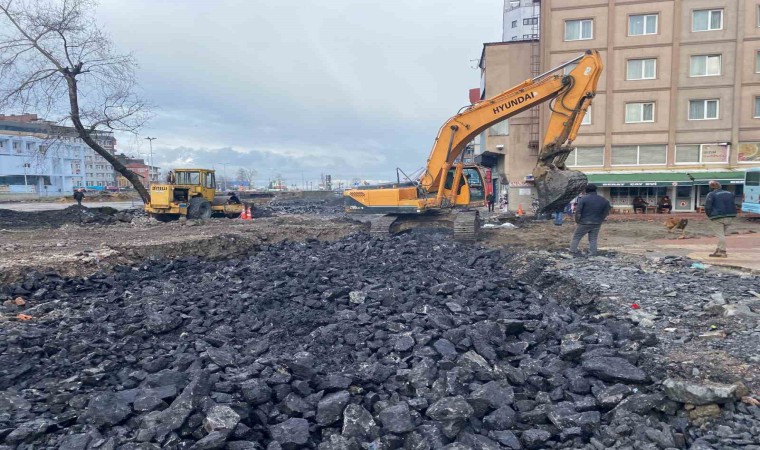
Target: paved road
pixel 51 206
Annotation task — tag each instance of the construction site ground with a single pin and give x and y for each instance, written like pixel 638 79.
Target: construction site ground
pixel 703 313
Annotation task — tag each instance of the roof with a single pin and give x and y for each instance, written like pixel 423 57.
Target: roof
pixel 658 179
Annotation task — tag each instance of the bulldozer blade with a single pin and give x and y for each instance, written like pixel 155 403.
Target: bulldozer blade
pixel 557 187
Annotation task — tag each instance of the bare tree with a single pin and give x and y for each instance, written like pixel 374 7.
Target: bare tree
pixel 57 62
pixel 248 175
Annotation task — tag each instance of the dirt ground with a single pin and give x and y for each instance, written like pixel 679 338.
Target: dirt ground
pixel 82 250
pixel 629 233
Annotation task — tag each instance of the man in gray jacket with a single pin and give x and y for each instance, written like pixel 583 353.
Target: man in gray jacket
pixel 721 210
pixel 590 212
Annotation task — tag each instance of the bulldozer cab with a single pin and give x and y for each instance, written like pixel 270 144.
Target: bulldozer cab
pixel 194 182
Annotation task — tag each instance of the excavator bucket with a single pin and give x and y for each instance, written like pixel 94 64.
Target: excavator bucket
pixel 557 187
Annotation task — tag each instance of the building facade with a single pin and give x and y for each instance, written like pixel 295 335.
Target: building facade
pixel 39 157
pixel 35 159
pixel 678 102
pixel 521 20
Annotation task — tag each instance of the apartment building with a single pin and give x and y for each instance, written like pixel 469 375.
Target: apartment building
pixel 679 101
pixel 521 20
pixel 37 160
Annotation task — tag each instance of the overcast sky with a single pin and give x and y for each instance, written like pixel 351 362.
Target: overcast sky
pixel 301 88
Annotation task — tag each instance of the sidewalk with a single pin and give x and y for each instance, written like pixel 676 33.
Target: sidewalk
pixel 743 249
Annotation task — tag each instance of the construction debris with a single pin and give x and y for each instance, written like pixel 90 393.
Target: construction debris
pixel 357 344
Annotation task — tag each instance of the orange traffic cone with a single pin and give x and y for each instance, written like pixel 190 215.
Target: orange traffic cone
pixel 245 214
pixel 249 214
pixel 520 211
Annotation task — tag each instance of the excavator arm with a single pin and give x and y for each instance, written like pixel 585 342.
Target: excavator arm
pixel 571 94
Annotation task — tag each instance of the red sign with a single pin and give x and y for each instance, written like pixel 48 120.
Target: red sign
pixel 474 95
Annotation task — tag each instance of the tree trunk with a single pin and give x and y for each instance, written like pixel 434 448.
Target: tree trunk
pixel 84 134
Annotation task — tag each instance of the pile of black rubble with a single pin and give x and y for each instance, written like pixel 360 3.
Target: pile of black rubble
pixel 72 215
pixel 411 342
pixel 305 206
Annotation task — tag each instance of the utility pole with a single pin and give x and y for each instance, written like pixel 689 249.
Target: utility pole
pixel 150 169
pixel 224 174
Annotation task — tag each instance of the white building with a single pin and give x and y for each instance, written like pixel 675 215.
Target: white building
pixel 37 157
pixel 35 165
pixel 521 20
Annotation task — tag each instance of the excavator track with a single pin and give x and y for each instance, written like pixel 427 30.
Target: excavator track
pixel 466 226
pixel 381 226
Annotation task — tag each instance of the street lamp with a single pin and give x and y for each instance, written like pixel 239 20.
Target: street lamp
pixel 150 169
pixel 224 174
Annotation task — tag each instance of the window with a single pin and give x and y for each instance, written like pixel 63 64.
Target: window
pixel 757 62
pixel 586 157
pixel 499 129
pixel 757 107
pixel 702 154
pixel 704 66
pixel 639 25
pixel 639 112
pixel 17 147
pixel 530 21
pixel 576 30
pixel 639 155
pixel 703 109
pixel 587 118
pixel 514 24
pixel 641 69
pixel 707 20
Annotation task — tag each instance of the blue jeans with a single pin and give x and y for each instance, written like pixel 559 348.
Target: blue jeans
pixel 558 216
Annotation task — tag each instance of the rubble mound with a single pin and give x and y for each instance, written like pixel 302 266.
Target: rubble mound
pixel 411 342
pixel 303 206
pixel 72 215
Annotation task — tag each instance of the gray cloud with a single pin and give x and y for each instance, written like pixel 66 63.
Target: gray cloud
pixel 342 87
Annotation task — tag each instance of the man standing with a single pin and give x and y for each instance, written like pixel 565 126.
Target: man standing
pixel 490 201
pixel 79 196
pixel 591 211
pixel 721 210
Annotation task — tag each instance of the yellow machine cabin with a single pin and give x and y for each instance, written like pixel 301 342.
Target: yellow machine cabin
pixel 446 183
pixel 192 194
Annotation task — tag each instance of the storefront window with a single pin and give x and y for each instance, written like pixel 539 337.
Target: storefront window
pixel 702 154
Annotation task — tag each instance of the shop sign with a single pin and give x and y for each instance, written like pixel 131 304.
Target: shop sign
pixel 716 153
pixel 749 152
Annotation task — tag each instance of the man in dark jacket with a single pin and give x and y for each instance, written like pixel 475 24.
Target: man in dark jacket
pixel 721 209
pixel 591 211
pixel 79 196
pixel 490 201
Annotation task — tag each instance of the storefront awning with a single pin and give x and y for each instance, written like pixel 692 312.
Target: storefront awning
pixel 703 178
pixel 639 179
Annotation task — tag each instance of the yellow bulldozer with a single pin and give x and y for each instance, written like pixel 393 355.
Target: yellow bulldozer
pixel 191 193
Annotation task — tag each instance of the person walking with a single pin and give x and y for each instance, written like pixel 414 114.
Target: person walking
pixel 490 201
pixel 591 211
pixel 79 196
pixel 721 210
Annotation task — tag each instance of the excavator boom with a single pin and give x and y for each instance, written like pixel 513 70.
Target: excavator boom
pixel 444 183
pixel 572 94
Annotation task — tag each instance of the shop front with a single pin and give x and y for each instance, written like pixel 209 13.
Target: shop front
pixel 687 190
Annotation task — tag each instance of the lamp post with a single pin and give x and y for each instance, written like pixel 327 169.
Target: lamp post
pixel 150 169
pixel 26 166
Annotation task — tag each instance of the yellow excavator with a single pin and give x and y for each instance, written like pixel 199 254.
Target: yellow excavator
pixel 447 189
